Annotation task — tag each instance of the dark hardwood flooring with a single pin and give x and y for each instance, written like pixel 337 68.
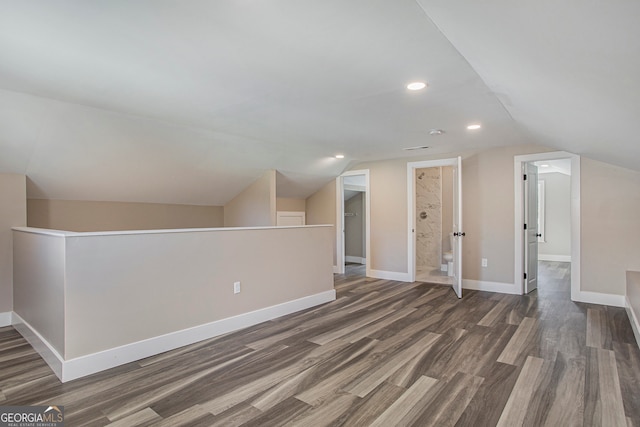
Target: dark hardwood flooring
pixel 383 354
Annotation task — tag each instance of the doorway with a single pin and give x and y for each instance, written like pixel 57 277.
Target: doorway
pixel 427 233
pixel 352 228
pixel 434 224
pixel 554 229
pixel 543 205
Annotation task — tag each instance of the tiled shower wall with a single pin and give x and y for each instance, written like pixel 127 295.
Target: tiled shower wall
pixel 429 229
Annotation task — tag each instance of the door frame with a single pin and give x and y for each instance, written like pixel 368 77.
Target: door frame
pixel 531 170
pixel 340 251
pixel 411 207
pixel 519 260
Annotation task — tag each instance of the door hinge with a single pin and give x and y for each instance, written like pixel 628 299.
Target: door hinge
pixel 525 176
pixel 525 275
pixel 525 226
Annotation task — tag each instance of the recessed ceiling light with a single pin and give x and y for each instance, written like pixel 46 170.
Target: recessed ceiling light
pixel 544 166
pixel 474 126
pixel 436 132
pixel 416 85
pixel 339 156
pixel 420 147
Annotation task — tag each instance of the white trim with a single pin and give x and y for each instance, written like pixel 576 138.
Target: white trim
pixel 499 287
pixel 5 319
pixel 575 217
pixel 62 233
pixel 635 325
pixel 339 227
pixel 40 345
pixel 356 259
pixel 556 258
pixel 390 275
pixel 68 370
pixel 600 298
pixel 340 251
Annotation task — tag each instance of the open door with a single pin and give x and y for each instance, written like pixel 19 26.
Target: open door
pixel 457 228
pixel 530 227
pixel 458 233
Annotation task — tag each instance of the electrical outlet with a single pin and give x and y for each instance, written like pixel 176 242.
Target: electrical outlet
pixel 484 262
pixel 236 287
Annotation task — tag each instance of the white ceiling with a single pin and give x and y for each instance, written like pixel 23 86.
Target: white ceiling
pixel 190 101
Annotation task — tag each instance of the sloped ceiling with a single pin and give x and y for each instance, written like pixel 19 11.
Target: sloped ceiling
pixel 190 101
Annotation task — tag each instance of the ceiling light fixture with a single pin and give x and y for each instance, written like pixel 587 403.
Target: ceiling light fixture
pixel 416 85
pixel 339 156
pixel 420 147
pixel 436 132
pixel 544 166
pixel 474 126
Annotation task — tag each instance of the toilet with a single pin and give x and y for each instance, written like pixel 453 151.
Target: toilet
pixel 448 256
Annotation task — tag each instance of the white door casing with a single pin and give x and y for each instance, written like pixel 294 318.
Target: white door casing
pixel 576 293
pixel 456 163
pixel 340 253
pixel 530 228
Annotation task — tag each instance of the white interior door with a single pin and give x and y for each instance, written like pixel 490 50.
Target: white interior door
pixel 530 227
pixel 457 228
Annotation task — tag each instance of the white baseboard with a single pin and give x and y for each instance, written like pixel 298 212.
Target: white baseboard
pixel 481 285
pixel 635 325
pixel 599 298
pixel 5 319
pixel 356 259
pixel 389 275
pixel 68 370
pixel 557 258
pixel 40 345
pixel 336 270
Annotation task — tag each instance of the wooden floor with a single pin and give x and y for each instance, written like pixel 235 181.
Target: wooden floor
pixel 383 354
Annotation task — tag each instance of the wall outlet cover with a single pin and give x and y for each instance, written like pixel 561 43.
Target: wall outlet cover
pixel 443 267
pixel 484 262
pixel 236 287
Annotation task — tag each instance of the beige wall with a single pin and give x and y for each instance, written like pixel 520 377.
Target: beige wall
pixel 610 228
pixel 77 215
pixel 610 244
pixel 190 275
pixel 13 213
pixel 488 210
pixel 321 209
pixel 290 204
pixel 39 286
pixel 255 206
pixel 557 228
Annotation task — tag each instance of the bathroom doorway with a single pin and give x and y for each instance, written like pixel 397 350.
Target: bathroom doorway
pixel 435 222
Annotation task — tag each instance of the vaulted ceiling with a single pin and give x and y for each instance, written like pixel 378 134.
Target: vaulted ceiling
pixel 190 101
